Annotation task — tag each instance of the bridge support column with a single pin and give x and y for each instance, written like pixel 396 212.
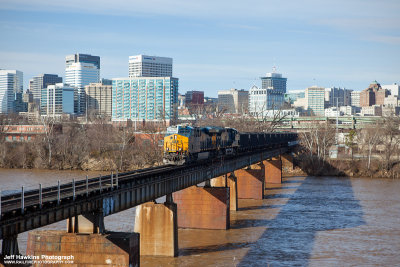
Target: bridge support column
pixel 91 223
pixel 228 180
pixel 158 228
pixel 114 249
pixel 250 183
pixel 10 246
pixel 273 171
pixel 203 207
pixel 287 162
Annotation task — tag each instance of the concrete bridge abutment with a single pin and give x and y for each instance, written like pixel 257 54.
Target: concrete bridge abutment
pixel 158 228
pixel 113 249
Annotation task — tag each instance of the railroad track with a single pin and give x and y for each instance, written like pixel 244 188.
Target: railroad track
pixel 55 194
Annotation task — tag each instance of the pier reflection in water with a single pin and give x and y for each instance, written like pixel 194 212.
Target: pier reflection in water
pixel 306 221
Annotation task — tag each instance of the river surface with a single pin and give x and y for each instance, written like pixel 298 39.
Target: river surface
pixel 306 221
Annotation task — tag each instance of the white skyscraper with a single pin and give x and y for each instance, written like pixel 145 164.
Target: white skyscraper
pixel 78 75
pixel 81 70
pixel 150 66
pixel 261 100
pixel 11 83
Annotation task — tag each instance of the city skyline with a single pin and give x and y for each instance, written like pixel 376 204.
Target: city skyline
pixel 215 46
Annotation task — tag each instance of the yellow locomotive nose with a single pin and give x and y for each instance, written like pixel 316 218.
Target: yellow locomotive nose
pixel 175 143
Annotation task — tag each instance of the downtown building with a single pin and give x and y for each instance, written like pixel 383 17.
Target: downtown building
pixel 270 96
pixel 355 98
pixel 337 97
pixel 153 99
pixel 11 88
pixel 233 101
pixel 194 98
pixel 56 100
pixel 150 66
pixel 261 101
pixel 37 83
pixel 81 70
pixel 373 95
pixel 315 100
pixel 393 88
pixel 99 99
pixel 274 80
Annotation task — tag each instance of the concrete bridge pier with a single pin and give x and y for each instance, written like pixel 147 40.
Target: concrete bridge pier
pixel 89 223
pixel 158 228
pixel 250 182
pixel 228 180
pixel 273 171
pixel 203 207
pixel 287 162
pixel 10 246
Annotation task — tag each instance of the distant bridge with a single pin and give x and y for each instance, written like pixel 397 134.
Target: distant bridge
pixel 344 122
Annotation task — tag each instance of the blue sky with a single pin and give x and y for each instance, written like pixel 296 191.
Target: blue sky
pixel 215 45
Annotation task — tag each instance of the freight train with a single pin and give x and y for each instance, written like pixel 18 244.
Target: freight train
pixel 186 144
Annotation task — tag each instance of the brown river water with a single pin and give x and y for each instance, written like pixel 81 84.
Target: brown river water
pixel 306 221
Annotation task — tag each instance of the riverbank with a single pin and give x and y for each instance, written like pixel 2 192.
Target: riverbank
pixel 305 165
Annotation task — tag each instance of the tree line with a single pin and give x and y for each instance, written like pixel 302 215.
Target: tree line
pixel 95 146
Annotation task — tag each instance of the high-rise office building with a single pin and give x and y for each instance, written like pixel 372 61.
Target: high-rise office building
pixel 373 95
pixel 150 66
pixel 42 81
pixel 56 100
pixel 393 88
pixel 275 81
pixel 99 98
pixel 337 97
pixel 81 70
pixel 11 86
pixel 262 100
pixel 83 58
pixel 355 98
pixel 233 100
pixel 145 99
pixel 315 99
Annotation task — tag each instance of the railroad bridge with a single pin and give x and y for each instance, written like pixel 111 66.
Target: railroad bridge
pixel 85 203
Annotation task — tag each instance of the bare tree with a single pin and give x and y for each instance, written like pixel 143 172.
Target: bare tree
pixel 369 138
pixel 48 123
pixel 390 138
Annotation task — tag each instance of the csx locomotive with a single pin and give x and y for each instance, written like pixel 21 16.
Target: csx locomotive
pixel 185 144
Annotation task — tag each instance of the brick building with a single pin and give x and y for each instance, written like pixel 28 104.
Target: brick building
pixel 373 95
